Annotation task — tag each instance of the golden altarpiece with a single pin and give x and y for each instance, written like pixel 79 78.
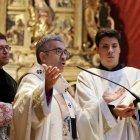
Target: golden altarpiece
pixel 25 21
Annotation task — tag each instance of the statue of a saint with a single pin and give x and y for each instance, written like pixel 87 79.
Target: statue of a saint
pixel 41 19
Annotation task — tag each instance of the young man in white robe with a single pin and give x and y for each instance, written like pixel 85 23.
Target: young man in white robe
pixel 43 109
pixel 100 120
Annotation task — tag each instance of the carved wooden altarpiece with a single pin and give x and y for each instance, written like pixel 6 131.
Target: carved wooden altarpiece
pixel 25 21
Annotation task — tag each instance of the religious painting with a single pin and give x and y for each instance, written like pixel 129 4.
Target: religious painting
pixel 15 29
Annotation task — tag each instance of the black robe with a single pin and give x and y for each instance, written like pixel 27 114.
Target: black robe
pixel 7 87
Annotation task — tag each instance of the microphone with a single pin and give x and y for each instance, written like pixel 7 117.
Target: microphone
pixel 137 98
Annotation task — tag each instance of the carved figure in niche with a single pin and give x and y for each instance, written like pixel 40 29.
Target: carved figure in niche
pixel 32 19
pixel 65 3
pixel 41 19
pixel 91 15
pixel 15 35
pixel 60 3
pixel 105 20
pixel 64 27
pixel 68 32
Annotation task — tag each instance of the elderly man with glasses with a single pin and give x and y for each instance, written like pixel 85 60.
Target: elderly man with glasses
pixel 43 108
pixel 7 90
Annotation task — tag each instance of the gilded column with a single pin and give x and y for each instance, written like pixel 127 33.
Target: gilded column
pixel 3 9
pixel 78 24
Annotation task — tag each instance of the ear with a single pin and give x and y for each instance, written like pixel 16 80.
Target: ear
pixel 42 57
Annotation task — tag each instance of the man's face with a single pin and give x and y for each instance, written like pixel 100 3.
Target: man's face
pixel 109 51
pixel 54 58
pixel 4 53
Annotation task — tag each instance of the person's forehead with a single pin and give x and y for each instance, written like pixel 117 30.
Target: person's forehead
pixel 3 42
pixel 55 44
pixel 109 40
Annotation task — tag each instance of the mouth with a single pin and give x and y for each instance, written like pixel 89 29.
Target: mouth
pixel 110 57
pixel 63 63
pixel 6 57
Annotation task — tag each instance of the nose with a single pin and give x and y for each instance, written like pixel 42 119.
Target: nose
pixel 110 49
pixel 5 50
pixel 63 55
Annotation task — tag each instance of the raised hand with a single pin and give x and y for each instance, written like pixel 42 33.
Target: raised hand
pixel 51 76
pixel 110 97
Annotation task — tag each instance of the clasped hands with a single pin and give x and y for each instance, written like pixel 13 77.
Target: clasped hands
pixel 120 110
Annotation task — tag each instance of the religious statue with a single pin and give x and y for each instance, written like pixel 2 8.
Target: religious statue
pixel 44 21
pixel 104 18
pixel 41 19
pixel 90 16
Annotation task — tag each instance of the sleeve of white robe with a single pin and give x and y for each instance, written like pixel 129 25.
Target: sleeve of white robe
pixel 129 98
pixel 30 97
pixel 133 76
pixel 95 117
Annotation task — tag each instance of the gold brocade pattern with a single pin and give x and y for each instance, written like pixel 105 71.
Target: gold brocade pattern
pixel 37 104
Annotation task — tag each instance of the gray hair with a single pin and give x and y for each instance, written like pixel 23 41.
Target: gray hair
pixel 40 46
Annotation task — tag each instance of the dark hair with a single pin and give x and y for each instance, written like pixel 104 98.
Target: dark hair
pixel 107 32
pixel 41 44
pixel 2 36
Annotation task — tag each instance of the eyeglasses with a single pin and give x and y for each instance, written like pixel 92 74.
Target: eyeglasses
pixel 5 47
pixel 59 52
